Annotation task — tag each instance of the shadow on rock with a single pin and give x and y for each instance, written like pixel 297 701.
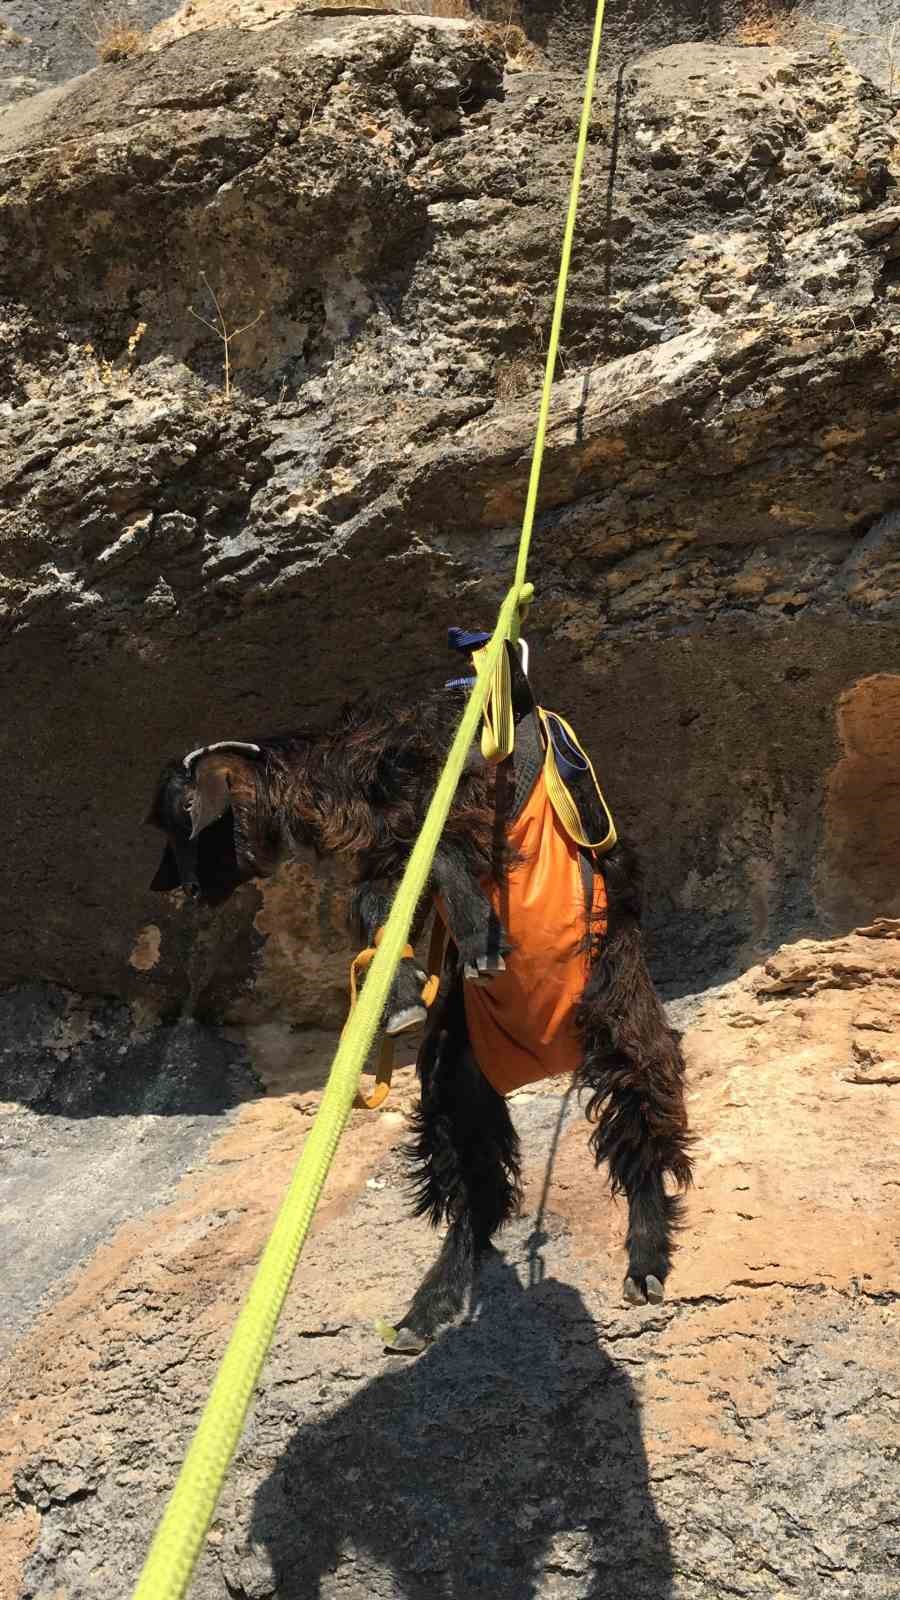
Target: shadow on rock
pixel 506 1460
pixel 71 1056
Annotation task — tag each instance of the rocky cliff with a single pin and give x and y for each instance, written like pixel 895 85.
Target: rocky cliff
pixel 188 554
pixel 717 550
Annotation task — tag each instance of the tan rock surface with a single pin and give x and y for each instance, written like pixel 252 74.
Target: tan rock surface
pixel 194 15
pixel 716 550
pixel 742 1439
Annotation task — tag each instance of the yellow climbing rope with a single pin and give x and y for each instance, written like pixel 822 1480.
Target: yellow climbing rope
pixel 179 1538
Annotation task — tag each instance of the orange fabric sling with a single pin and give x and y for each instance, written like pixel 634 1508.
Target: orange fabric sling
pixel 522 1021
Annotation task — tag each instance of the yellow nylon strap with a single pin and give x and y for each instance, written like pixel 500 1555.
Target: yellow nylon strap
pixel 437 947
pixel 375 1098
pixel 498 733
pixel 560 796
pixel 179 1538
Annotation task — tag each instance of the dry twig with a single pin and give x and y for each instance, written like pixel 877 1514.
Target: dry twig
pixel 221 330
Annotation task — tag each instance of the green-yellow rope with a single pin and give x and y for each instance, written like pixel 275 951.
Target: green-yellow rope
pixel 562 280
pixel 179 1538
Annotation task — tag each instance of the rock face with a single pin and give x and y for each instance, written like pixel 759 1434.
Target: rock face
pixel 717 549
pixel 740 1439
pixel 189 552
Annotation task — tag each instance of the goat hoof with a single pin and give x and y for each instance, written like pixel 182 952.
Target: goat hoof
pixel 637 1291
pixel 484 969
pixel 489 964
pixel 406 1020
pixel 408 1343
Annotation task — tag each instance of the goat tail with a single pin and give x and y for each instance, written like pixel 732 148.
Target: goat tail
pixel 632 1066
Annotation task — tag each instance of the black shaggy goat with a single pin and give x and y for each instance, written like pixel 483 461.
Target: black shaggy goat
pixel 234 812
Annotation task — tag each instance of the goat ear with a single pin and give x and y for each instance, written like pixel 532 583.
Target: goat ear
pixel 212 794
pixel 167 875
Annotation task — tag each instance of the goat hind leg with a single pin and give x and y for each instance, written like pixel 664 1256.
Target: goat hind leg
pixel 464 1169
pixel 653 1218
pixel 634 1071
pixel 639 1159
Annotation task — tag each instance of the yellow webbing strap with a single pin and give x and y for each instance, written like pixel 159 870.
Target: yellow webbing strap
pixel 373 1099
pixel 560 796
pixel 384 1071
pixel 179 1538
pixel 498 733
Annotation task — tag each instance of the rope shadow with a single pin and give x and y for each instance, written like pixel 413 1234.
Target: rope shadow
pixel 537 1237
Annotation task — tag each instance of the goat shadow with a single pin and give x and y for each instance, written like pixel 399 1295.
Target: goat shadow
pixel 511 1449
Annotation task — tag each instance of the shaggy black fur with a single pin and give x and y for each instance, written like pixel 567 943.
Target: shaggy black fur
pixel 463 1164
pixel 362 786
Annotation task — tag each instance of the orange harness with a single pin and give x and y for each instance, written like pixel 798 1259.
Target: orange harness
pixel 522 1021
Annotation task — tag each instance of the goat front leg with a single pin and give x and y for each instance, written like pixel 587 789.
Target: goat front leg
pixel 634 1072
pixel 477 932
pixel 464 1170
pixel 404 1009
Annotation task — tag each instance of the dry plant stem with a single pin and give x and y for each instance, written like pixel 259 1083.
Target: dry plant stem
pixel 92 33
pixel 110 31
pixel 220 329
